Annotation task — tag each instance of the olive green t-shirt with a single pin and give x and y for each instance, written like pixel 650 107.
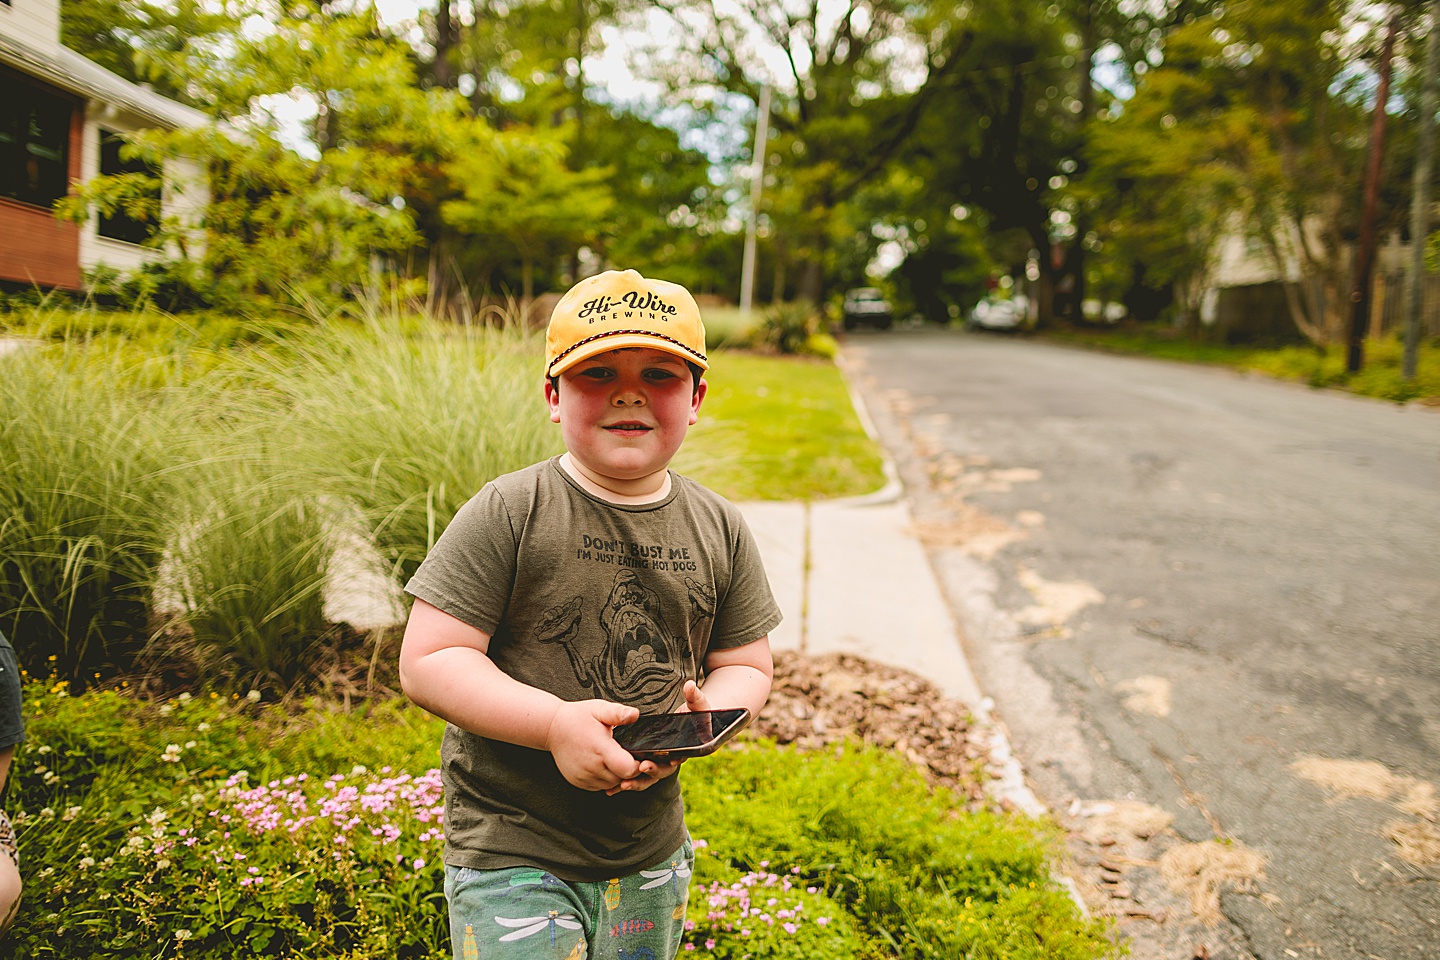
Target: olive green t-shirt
pixel 586 599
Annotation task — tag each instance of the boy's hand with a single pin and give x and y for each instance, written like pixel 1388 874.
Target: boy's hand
pixel 652 772
pixel 584 748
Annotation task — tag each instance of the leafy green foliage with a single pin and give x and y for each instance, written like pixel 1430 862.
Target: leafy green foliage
pixel 207 827
pixel 922 880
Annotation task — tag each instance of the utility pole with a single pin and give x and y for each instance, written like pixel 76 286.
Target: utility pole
pixel 757 178
pixel 1365 258
pixel 1420 196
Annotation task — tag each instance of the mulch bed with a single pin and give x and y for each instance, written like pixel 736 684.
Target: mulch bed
pixel 820 701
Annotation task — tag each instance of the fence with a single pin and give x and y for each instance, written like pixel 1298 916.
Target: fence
pixel 1387 305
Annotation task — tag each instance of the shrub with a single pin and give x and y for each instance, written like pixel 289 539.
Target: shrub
pixel 83 481
pixel 409 427
pixel 248 562
pixel 786 328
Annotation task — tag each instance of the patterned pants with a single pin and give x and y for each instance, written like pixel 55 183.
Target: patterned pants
pixel 523 913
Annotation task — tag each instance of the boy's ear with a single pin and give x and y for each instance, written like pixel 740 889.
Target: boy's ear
pixel 696 400
pixel 552 399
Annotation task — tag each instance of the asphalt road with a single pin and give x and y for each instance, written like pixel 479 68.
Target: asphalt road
pixel 1212 592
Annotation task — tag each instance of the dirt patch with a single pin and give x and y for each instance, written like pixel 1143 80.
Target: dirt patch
pixel 1109 823
pixel 1350 779
pixel 1148 695
pixel 1419 843
pixel 1202 870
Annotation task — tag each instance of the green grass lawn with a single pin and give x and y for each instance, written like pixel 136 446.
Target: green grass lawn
pixel 779 428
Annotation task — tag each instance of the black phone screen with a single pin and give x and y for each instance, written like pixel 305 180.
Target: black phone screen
pixel 680 733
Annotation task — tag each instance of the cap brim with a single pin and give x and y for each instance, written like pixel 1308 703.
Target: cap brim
pixel 620 341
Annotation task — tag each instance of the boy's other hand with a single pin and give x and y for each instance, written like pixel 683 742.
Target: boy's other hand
pixel 584 747
pixel 652 772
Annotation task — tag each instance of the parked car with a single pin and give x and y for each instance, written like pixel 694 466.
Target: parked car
pixel 994 313
pixel 866 305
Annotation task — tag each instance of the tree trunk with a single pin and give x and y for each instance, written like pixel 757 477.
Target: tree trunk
pixel 812 280
pixel 441 70
pixel 527 285
pixel 1075 259
pixel 1420 196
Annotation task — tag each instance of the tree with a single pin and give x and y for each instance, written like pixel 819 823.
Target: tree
pixel 1259 108
pixel 852 82
pixel 136 38
pixel 518 190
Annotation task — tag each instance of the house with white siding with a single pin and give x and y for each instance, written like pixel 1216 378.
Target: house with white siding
pixel 63 119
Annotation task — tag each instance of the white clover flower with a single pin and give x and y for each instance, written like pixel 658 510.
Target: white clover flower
pixel 183 935
pixel 43 749
pixel 70 814
pixel 358 769
pixel 253 696
pixel 86 863
pixel 161 864
pixel 51 776
pixel 203 726
pixel 166 710
pixel 184 698
pixel 197 798
pixel 189 744
pixel 134 843
pixel 47 812
pixel 171 754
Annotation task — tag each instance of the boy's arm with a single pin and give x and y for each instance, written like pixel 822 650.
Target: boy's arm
pixel 445 667
pixel 736 677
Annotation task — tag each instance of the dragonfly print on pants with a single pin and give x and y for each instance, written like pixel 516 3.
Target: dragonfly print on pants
pixel 529 926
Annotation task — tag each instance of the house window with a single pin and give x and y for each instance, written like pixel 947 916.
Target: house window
pixel 34 145
pixel 119 226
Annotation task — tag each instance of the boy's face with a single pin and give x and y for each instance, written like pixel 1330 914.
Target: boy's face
pixel 624 413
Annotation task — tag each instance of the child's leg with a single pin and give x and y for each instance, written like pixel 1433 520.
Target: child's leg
pixel 642 916
pixel 519 913
pixel 526 914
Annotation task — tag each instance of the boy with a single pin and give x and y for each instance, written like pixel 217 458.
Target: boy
pixel 12 732
pixel 565 600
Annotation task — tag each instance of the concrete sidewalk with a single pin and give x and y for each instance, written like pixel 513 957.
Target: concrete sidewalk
pixel 852 577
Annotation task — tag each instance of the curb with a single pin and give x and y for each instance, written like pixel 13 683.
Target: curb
pixel 1009 785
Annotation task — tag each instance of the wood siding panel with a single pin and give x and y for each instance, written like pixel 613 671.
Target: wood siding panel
pixel 37 248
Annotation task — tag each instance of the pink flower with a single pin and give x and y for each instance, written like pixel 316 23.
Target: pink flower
pixel 790 928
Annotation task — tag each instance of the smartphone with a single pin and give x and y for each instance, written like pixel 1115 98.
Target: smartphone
pixel 666 737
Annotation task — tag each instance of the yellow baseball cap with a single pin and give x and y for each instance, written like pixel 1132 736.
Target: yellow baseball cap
pixel 620 308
